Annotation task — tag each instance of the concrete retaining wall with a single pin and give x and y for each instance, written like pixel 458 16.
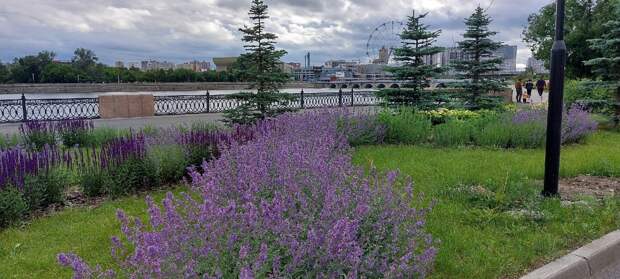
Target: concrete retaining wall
pixel 131 87
pixel 126 106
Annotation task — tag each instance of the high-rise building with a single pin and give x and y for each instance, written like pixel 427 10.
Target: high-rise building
pixel 196 66
pixel 119 64
pixel 342 64
pixel 224 63
pixel 156 65
pixel 509 55
pixel 384 56
pixel 294 66
pixel 134 65
pixel 538 66
pixel 506 52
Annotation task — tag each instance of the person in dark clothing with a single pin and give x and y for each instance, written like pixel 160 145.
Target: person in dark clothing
pixel 540 86
pixel 519 88
pixel 529 86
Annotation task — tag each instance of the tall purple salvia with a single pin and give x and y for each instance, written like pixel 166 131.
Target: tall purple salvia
pixel 74 125
pixel 37 134
pixel 16 164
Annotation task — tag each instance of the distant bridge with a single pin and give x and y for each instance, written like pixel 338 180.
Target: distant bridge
pixel 361 84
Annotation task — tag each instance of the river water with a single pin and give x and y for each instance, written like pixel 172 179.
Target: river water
pixel 159 93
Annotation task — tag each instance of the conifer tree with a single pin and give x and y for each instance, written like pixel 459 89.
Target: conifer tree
pixel 479 63
pixel 608 65
pixel 418 44
pixel 261 68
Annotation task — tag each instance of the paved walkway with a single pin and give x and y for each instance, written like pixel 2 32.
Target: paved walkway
pixel 136 123
pixel 611 272
pixel 535 98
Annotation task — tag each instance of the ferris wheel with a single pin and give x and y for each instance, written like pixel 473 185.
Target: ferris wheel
pixel 382 42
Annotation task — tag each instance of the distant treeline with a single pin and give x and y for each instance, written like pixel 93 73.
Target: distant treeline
pixel 84 67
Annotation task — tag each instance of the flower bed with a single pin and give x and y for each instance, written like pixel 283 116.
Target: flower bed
pixel 52 155
pixel 509 129
pixel 288 203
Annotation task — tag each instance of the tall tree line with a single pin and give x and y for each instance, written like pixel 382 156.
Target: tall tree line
pixel 607 64
pixel 585 20
pixel 477 70
pixel 85 67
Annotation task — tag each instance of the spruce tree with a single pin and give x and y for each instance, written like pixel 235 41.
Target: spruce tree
pixel 418 44
pixel 479 63
pixel 262 69
pixel 608 65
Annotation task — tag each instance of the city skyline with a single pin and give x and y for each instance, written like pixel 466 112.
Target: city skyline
pixel 203 29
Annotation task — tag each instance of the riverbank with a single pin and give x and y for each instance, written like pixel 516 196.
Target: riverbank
pixel 69 88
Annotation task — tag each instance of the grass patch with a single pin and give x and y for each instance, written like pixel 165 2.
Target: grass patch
pixel 489 218
pixel 30 252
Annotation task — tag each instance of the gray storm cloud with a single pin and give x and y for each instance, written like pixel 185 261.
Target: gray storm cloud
pixel 200 29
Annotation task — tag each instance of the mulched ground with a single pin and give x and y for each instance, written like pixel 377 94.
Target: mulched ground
pixel 573 189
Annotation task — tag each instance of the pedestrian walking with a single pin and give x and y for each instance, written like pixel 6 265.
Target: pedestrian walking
pixel 540 86
pixel 519 88
pixel 529 86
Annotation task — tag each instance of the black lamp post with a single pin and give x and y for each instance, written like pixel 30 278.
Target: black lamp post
pixel 556 98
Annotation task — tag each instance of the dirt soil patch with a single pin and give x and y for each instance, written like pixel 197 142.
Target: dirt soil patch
pixel 573 189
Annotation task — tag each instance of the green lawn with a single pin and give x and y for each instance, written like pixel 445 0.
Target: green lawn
pixel 479 237
pixel 30 252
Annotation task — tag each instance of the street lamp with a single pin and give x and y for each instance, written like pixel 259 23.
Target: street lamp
pixel 556 98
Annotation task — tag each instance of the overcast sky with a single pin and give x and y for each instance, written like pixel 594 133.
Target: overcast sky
pixel 182 30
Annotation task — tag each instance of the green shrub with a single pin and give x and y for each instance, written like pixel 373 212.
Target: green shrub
pixel 149 130
pixel 596 96
pixel 362 129
pixel 406 127
pixel 528 135
pixel 93 183
pixel 101 136
pixel 170 162
pixel 453 133
pixel 74 138
pixel 493 132
pixel 204 126
pixel 132 176
pixel 499 131
pixel 197 154
pixel 74 132
pixel 12 207
pixel 8 141
pixel 38 134
pixel 443 115
pixel 45 189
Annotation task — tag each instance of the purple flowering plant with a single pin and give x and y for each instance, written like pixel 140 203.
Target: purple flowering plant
pixel 361 128
pixel 289 203
pixel 37 134
pixel 74 132
pixel 577 123
pixel 17 164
